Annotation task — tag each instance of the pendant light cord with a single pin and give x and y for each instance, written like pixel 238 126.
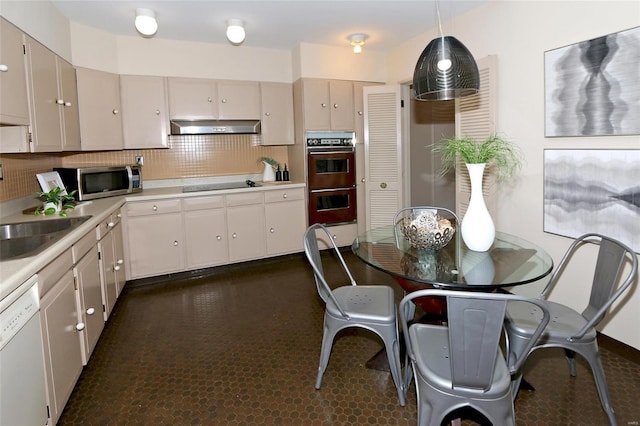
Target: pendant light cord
pixel 438 13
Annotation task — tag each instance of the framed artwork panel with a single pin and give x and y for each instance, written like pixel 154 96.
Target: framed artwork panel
pixel 593 191
pixel 592 88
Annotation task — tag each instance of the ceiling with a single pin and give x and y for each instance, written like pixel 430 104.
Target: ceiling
pixel 273 24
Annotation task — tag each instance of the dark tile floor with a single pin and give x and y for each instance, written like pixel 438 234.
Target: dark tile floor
pixel 240 347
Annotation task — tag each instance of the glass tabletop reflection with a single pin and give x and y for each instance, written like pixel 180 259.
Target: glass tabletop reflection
pixel 510 261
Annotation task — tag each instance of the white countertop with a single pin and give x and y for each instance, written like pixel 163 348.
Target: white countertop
pixel 15 271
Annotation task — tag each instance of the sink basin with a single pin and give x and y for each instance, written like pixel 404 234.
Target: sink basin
pixel 28 238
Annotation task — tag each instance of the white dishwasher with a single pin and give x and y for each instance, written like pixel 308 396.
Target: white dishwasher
pixel 22 383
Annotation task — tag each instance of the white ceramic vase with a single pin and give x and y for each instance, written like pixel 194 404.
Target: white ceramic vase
pixel 268 175
pixel 477 229
pixel 56 207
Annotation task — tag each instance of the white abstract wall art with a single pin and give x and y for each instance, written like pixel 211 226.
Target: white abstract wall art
pixel 592 88
pixel 593 191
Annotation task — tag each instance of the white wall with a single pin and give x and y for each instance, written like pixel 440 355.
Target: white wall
pixel 42 21
pixel 519 32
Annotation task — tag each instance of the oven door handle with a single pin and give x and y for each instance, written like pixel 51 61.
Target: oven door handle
pixel 334 151
pixel 342 188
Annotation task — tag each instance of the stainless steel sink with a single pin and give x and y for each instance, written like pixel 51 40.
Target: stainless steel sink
pixel 29 238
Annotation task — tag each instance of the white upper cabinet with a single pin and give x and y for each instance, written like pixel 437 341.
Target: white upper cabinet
pixel 100 110
pixel 144 111
pixel 53 100
pixel 328 104
pixel 14 107
pixel 277 114
pixel 199 98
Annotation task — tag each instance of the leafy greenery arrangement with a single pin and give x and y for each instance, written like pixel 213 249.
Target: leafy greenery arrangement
pixel 57 198
pixel 268 160
pixel 496 150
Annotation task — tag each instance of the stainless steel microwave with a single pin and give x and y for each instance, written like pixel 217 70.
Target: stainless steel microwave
pixel 99 182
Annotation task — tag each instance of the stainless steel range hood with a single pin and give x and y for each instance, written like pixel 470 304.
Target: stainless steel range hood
pixel 214 127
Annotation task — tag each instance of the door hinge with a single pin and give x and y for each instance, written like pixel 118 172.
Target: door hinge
pixel 401 103
pixel 75 283
pixel 99 255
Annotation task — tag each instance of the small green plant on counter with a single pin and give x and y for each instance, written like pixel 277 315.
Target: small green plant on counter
pixel 496 150
pixel 268 160
pixel 58 198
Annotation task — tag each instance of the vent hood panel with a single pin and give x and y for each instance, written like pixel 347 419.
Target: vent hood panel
pixel 214 127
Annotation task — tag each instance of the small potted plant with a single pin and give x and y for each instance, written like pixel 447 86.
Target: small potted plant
pixel 477 228
pixel 269 164
pixel 55 201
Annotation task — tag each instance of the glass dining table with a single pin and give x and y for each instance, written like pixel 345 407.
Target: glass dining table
pixel 510 261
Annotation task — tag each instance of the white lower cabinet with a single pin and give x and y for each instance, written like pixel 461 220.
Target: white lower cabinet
pixel 205 228
pixel 155 237
pixel 87 274
pixel 61 330
pixel 285 220
pixel 246 226
pixel 343 235
pixel 109 235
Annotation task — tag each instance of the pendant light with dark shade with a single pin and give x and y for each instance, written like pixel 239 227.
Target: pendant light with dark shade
pixel 445 70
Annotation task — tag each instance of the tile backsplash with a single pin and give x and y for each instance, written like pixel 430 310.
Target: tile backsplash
pixel 187 156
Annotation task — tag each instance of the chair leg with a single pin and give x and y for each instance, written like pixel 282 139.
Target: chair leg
pixel 393 354
pixel 593 358
pixel 571 359
pixel 325 352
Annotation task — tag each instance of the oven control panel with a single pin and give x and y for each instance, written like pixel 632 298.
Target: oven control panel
pixel 329 142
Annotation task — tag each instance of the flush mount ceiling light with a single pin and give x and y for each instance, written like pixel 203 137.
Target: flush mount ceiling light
pixel 357 41
pixel 235 31
pixel 445 70
pixel 146 23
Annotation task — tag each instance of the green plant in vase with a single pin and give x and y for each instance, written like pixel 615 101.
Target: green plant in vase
pixel 495 150
pixel 477 227
pixel 55 201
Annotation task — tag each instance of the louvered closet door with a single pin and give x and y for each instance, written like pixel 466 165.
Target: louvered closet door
pixel 383 154
pixel 476 116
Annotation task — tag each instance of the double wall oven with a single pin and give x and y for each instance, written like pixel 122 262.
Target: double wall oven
pixel 331 177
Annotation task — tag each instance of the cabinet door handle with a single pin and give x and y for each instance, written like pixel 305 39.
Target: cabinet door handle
pixel 4 68
pixel 234 235
pixel 272 230
pixel 157 112
pixel 335 105
pixel 90 311
pixel 335 237
pixel 175 243
pixel 111 224
pixel 268 114
pixel 119 215
pixel 224 101
pixel 360 112
pixel 383 185
pixel 120 262
pixel 79 326
pixel 154 208
pixel 363 180
pixel 218 237
pixel 284 195
pixel 67 104
pixel 323 105
pixel 116 268
pixel 115 112
pixel 209 100
pixel 60 101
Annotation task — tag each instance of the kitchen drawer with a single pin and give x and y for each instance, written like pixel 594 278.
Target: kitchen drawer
pixel 245 199
pixel 343 235
pixel 107 225
pixel 203 203
pixel 284 195
pixel 79 249
pixel 51 274
pixel 144 208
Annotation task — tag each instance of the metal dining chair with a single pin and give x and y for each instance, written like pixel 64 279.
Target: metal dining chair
pixel 371 307
pixel 459 364
pixel 572 330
